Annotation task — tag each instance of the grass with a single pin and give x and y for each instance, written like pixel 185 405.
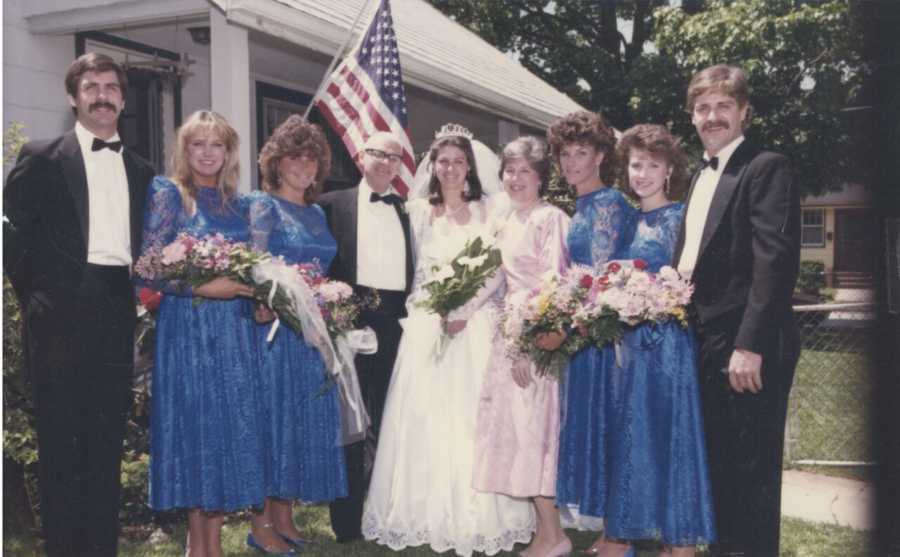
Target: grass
pixel 799 539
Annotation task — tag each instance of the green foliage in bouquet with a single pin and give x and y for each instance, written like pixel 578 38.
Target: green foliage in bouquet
pixel 456 283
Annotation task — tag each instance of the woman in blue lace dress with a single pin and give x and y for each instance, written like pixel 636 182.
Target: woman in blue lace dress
pixel 305 457
pixel 206 433
pixel 657 473
pixel 584 148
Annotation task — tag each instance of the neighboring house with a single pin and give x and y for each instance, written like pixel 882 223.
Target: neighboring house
pixel 256 62
pixel 838 229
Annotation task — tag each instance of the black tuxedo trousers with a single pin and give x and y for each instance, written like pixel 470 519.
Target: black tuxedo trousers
pixel 745 436
pixel 374 372
pixel 80 355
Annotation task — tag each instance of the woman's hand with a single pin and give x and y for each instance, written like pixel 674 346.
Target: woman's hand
pixel 263 314
pixel 223 288
pixel 521 372
pixel 453 327
pixel 550 341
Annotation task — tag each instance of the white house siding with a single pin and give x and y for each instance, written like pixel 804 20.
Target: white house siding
pixel 37 52
pixel 33 71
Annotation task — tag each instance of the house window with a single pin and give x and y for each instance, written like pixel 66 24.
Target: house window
pixel 274 104
pixel 812 234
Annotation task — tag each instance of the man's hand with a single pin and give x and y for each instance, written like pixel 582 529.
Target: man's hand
pixel 550 341
pixel 223 289
pixel 745 371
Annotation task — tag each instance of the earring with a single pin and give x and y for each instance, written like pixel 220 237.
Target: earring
pixel 466 187
pixel 666 186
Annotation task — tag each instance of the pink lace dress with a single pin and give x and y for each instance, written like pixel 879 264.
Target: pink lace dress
pixel 517 432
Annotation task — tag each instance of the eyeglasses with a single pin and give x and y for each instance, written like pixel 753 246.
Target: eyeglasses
pixel 381 155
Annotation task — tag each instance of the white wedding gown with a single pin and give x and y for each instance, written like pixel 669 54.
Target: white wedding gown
pixel 421 490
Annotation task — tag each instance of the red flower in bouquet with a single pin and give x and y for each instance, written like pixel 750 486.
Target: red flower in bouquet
pixel 613 267
pixel 640 264
pixel 150 298
pixel 586 281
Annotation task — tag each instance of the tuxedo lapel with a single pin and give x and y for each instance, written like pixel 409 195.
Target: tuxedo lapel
pixel 679 245
pixel 728 182
pixel 75 175
pixel 349 209
pixel 136 191
pixel 403 215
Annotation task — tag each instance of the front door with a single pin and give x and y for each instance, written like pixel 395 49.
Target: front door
pixel 856 240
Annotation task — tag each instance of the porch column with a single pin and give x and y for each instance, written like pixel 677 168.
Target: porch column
pixel 506 131
pixel 230 85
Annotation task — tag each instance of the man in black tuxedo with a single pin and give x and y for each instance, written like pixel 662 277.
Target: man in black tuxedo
pixel 71 230
pixel 740 244
pixel 374 255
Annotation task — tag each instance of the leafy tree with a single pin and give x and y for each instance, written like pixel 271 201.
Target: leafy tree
pixel 578 46
pixel 801 57
pixel 803 66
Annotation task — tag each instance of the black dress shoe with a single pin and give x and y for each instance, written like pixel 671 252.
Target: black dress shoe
pixel 350 539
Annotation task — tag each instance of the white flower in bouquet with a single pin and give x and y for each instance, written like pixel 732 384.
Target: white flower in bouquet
pixel 442 274
pixel 473 262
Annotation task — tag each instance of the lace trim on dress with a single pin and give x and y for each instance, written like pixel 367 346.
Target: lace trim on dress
pixel 397 540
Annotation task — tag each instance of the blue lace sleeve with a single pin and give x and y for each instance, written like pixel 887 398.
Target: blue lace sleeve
pixel 163 216
pixel 263 216
pixel 671 226
pixel 613 220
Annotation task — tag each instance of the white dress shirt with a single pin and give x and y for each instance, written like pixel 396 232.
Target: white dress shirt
pixel 698 208
pixel 380 248
pixel 109 232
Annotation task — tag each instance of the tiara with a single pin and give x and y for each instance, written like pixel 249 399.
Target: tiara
pixel 450 130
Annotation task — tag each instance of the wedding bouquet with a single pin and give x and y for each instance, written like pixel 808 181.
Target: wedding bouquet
pixel 552 308
pixel 456 282
pixel 334 300
pixel 198 260
pixel 324 311
pixel 638 296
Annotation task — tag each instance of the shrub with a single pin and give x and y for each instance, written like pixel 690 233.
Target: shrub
pixel 812 277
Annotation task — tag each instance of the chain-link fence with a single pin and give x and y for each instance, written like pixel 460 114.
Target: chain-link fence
pixel 832 401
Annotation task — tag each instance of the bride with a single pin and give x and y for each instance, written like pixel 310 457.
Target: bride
pixel 421 490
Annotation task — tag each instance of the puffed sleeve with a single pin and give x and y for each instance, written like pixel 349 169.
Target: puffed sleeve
pixel 263 215
pixel 162 220
pixel 614 220
pixel 552 238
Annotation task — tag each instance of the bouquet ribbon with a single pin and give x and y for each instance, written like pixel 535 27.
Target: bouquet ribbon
pixel 338 355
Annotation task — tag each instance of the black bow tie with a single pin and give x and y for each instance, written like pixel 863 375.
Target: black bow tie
pixel 99 144
pixel 390 199
pixel 712 163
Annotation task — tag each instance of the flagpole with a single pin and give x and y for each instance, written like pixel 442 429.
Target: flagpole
pixel 337 56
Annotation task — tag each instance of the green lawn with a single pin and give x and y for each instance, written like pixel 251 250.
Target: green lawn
pixel 799 539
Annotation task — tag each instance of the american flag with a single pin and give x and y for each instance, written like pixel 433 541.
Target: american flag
pixel 365 94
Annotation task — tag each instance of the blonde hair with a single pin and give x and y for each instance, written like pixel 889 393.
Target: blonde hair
pixel 204 122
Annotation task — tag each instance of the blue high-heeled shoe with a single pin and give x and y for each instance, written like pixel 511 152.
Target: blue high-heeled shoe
pixel 299 543
pixel 251 542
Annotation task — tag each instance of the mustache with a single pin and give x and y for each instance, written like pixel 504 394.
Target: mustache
pixel 102 104
pixel 721 123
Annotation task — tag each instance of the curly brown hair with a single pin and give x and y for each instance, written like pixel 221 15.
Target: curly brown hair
pixel 586 128
pixel 294 137
pixel 657 141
